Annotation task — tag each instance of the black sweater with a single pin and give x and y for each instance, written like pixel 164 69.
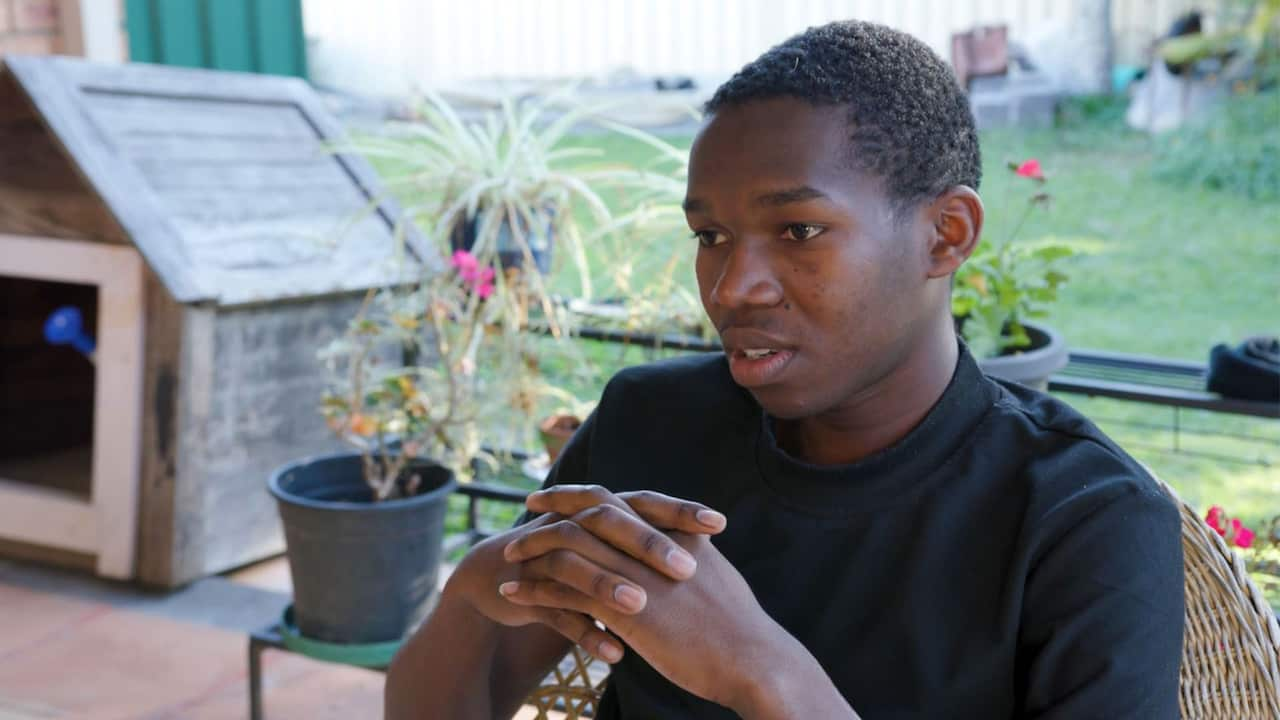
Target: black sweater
pixel 1003 560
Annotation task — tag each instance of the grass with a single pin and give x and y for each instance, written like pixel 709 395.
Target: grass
pixel 1163 269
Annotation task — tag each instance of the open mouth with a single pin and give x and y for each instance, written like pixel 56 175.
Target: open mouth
pixel 755 367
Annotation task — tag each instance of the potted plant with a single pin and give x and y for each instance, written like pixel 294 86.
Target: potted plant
pixel 515 192
pixel 1004 286
pixel 363 528
pixel 424 367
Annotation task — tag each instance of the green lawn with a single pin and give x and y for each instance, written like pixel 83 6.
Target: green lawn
pixel 1162 269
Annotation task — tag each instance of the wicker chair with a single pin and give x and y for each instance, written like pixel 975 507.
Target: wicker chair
pixel 1231 646
pixel 1230 651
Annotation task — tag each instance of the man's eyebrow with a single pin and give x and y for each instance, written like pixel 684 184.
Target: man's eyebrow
pixel 796 194
pixel 800 193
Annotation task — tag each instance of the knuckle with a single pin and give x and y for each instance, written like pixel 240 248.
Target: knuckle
pixel 652 542
pixel 521 543
pixel 644 497
pixel 566 530
pixel 568 625
pixel 600 586
pixel 596 491
pixel 594 515
pixel 555 562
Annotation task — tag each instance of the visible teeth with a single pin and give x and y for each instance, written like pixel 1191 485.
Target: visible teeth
pixel 757 354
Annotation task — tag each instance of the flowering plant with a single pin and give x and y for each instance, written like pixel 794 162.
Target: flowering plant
pixel 1006 282
pixel 403 381
pixel 1260 551
pixel 1231 529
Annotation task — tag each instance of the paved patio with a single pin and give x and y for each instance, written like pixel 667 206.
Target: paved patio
pixel 74 647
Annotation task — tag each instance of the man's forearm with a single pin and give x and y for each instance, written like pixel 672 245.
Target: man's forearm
pixel 443 671
pixel 791 684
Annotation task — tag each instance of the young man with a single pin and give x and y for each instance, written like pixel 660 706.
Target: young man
pixel 840 513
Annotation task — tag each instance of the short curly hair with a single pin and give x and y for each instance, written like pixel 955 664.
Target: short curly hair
pixel 910 122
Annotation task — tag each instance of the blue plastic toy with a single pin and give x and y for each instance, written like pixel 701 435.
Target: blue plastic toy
pixel 65 326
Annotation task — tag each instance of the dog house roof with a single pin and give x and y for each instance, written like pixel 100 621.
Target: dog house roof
pixel 223 181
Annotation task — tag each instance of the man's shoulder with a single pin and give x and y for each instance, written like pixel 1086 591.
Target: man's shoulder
pixel 686 381
pixel 1069 467
pixel 679 404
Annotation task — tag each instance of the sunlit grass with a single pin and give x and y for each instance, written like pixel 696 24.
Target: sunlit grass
pixel 1161 270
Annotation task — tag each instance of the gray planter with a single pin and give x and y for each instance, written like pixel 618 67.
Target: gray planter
pixel 362 572
pixel 1031 366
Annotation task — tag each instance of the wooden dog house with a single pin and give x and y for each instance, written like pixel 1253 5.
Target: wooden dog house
pixel 212 244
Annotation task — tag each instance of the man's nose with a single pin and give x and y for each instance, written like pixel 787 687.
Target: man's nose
pixel 747 278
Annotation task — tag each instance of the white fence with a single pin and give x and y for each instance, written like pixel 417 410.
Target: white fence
pixel 388 46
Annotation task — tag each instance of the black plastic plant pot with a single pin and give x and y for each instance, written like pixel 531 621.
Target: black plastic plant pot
pixel 363 572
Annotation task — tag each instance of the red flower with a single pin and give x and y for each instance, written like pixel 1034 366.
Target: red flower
pixel 1030 169
pixel 1216 519
pixel 1241 535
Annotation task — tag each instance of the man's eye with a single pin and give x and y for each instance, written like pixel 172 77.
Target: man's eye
pixel 708 238
pixel 800 232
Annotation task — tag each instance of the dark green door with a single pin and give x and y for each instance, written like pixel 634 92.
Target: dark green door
pixel 263 36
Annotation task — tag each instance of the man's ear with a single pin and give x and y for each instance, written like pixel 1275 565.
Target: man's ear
pixel 957 224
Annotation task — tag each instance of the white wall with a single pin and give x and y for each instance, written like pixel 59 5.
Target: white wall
pixel 389 46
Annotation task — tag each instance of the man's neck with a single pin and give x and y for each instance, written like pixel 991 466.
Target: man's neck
pixel 881 414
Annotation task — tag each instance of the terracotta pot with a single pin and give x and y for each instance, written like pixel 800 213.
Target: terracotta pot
pixel 556 431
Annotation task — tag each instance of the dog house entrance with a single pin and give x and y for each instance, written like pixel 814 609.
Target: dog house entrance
pixel 47 384
pixel 71 356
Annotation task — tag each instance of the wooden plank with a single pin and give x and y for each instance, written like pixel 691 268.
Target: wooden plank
pixel 54 94
pixel 366 178
pixel 41 193
pixel 196 411
pixel 58 260
pixel 117 271
pixel 32 514
pixel 44 555
pixel 231 206
pixel 91 107
pixel 320 175
pixel 118 410
pixel 163 386
pixel 144 112
pixel 168 81
pixel 212 150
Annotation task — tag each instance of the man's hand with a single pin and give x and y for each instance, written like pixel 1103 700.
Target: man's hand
pixel 631 526
pixel 741 655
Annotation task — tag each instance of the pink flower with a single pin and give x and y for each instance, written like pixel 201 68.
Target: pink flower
pixel 1241 535
pixel 483 282
pixel 1030 169
pixel 1216 519
pixel 480 280
pixel 465 262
